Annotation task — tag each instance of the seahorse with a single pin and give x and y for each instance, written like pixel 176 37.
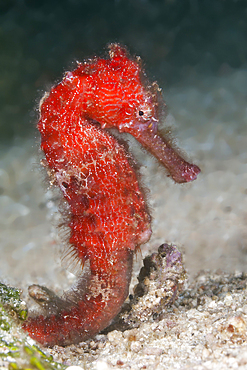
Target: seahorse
pixel 108 215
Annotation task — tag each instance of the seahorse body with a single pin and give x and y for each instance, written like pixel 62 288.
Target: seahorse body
pixel 108 214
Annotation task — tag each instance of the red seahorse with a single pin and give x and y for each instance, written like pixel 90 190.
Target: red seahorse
pixel 108 214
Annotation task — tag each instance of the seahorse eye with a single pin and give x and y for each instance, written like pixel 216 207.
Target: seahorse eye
pixel 65 185
pixel 145 112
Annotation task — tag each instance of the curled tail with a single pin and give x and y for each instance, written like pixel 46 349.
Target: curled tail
pixel 87 310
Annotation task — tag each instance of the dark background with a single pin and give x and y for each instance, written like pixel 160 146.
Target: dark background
pixel 39 40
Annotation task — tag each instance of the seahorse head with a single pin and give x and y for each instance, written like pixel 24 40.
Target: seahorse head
pixel 122 97
pixel 115 93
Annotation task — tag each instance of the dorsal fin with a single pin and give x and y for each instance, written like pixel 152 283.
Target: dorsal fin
pixel 71 261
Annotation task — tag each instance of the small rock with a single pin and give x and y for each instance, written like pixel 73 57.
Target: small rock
pixel 135 346
pixel 153 351
pixel 102 365
pixel 237 323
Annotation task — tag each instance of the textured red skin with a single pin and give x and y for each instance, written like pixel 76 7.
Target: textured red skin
pixel 108 215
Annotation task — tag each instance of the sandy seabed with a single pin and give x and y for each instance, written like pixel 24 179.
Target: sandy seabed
pixel 206 218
